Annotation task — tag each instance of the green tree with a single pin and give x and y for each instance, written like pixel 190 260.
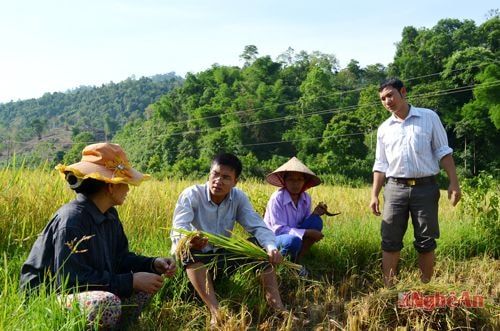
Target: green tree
pixel 488 92
pixel 343 147
pixel 489 33
pixel 286 58
pixel 305 136
pixel 370 111
pixel 462 66
pixel 249 54
pixel 108 126
pixel 347 82
pixel 74 154
pixel 477 128
pixel 190 168
pixel 318 93
pixel 38 126
pixel 424 52
pixel 154 164
pixel 374 74
pixel 441 97
pixel 344 138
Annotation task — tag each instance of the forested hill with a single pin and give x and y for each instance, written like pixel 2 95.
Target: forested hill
pixel 307 105
pixel 45 128
pixel 268 110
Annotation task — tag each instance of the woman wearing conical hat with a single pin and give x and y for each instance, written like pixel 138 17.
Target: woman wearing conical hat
pixel 84 249
pixel 288 211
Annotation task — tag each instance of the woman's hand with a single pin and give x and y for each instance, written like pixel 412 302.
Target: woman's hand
pixel 147 282
pixel 322 209
pixel 165 266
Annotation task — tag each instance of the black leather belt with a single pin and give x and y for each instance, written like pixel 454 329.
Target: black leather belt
pixel 412 181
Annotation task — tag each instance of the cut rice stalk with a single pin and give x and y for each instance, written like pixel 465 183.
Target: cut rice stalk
pixel 235 244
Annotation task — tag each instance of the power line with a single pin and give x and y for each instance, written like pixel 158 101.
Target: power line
pixel 305 138
pixel 333 110
pixel 340 93
pixel 429 94
pixel 320 112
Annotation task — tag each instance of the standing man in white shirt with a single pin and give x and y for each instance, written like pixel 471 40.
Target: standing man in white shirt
pixel 411 144
pixel 214 207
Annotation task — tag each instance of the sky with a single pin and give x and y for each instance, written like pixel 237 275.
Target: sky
pixel 58 45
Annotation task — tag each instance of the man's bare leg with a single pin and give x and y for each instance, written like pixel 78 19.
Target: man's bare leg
pixel 271 290
pixel 306 245
pixel 389 265
pixel 426 265
pixel 198 276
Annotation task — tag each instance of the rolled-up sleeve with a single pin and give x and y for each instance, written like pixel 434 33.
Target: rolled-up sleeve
pixel 381 164
pixel 440 146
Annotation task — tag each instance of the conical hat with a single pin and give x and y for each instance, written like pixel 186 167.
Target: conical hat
pixel 276 177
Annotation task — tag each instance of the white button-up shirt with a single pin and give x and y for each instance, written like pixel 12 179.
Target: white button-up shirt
pixel 195 211
pixel 413 147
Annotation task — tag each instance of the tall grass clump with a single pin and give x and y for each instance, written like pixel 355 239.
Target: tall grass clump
pixel 20 311
pixel 481 203
pixel 28 197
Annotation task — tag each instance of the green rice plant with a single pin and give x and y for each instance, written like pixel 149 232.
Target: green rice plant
pixel 19 311
pixel 240 246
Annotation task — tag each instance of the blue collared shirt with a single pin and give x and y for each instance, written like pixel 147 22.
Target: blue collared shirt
pixel 195 211
pixel 413 147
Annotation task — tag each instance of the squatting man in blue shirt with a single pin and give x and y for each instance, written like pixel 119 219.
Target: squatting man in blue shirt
pixel 214 207
pixel 411 144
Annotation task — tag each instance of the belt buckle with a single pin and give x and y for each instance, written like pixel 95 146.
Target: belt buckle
pixel 411 182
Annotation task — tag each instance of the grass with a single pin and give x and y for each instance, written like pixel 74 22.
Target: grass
pixel 344 292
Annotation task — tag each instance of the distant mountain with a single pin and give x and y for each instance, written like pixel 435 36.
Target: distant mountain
pixel 43 128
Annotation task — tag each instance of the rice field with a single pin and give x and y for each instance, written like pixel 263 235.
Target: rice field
pixel 344 291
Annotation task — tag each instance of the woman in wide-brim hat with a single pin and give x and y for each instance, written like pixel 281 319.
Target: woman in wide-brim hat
pixel 288 211
pixel 83 249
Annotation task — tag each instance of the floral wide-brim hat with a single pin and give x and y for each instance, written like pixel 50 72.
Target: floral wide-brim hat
pixel 106 162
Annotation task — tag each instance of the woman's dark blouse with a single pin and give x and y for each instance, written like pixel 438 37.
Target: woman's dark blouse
pixel 101 262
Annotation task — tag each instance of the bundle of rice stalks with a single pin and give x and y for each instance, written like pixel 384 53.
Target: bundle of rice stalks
pixel 235 244
pixel 183 248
